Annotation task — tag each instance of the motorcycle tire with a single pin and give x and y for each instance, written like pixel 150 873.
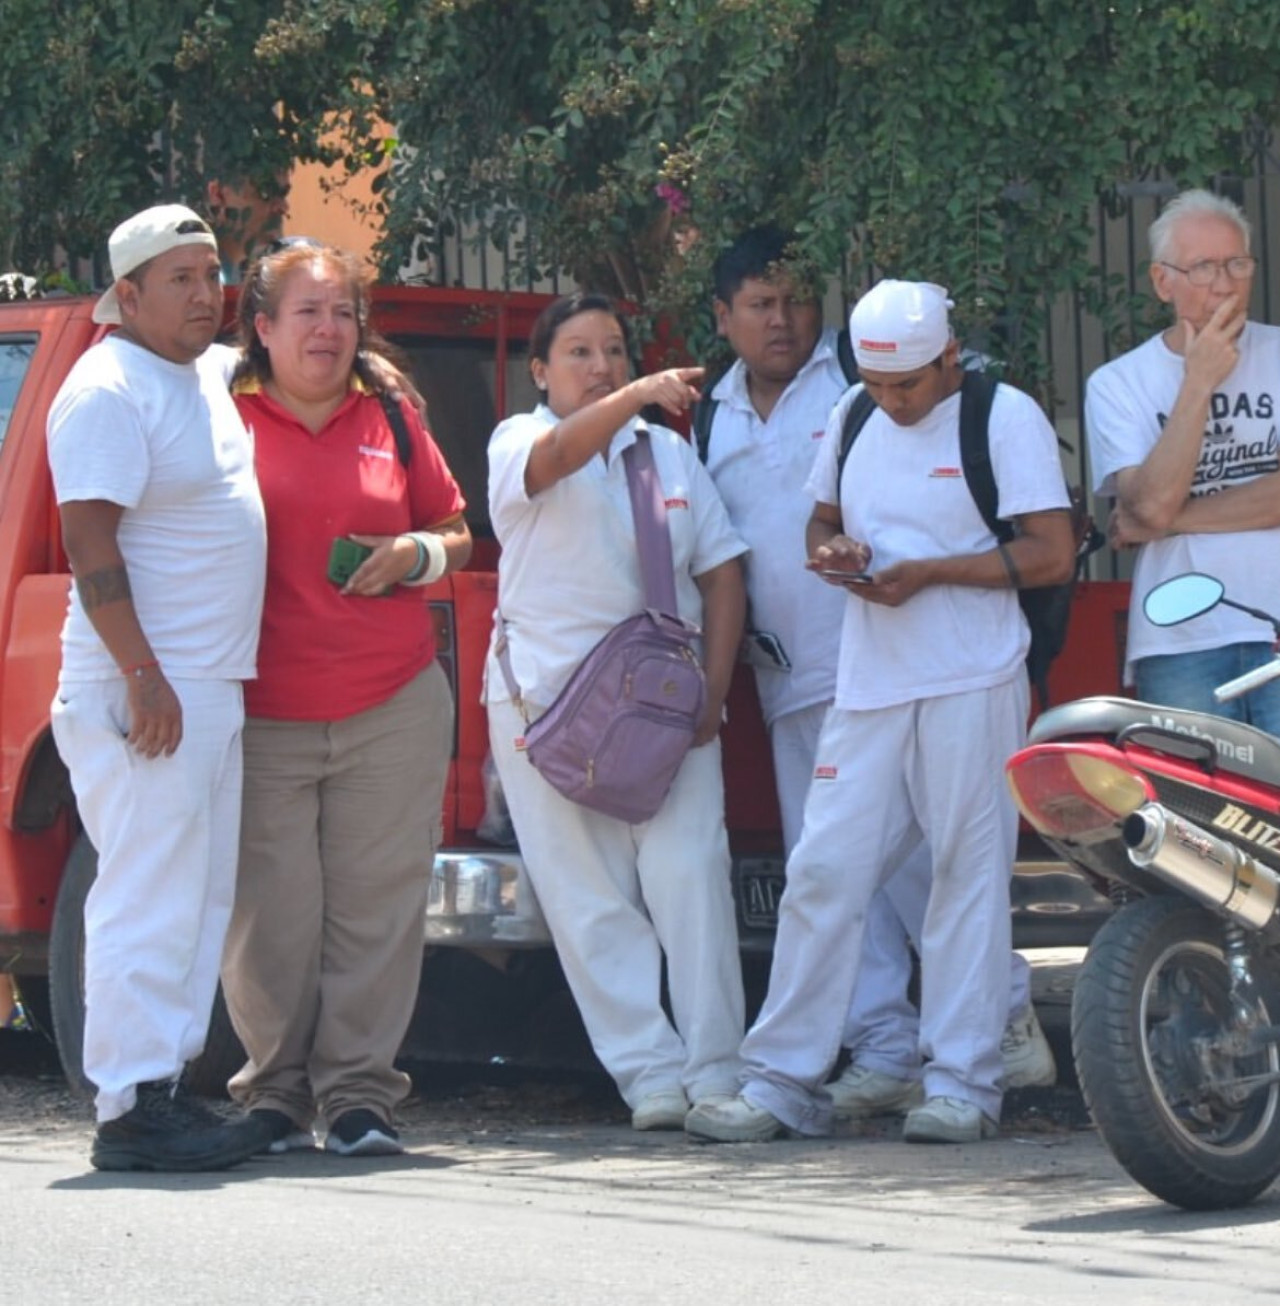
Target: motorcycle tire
pixel 1151 1025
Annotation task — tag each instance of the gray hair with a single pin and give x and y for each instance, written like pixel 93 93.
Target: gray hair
pixel 1193 204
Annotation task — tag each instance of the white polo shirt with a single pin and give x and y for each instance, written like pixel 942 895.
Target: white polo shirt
pixel 570 570
pixel 904 493
pixel 761 469
pixel 1126 405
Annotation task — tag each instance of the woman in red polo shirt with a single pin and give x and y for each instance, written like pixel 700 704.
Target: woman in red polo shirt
pixel 348 728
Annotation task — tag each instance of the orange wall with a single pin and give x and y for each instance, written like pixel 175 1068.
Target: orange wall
pixel 341 216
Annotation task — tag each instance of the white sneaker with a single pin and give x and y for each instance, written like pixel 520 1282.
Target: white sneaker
pixel 732 1121
pixel 948 1120
pixel 665 1110
pixel 860 1093
pixel 1028 1058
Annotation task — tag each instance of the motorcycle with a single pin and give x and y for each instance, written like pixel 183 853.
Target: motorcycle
pixel 1175 1018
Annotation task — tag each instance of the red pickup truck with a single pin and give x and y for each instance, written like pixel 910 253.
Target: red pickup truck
pixel 491 989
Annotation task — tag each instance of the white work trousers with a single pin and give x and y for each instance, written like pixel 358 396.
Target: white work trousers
pixel 882 1029
pixel 619 897
pixel 931 771
pixel 167 831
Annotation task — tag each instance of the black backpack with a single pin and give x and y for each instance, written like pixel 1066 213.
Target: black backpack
pixel 1047 608
pixel 704 411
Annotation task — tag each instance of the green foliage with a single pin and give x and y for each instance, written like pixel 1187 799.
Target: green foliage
pixel 963 143
pixel 111 105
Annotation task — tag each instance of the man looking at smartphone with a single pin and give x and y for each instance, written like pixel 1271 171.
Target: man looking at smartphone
pixel 163 527
pixel 931 698
pixel 769 416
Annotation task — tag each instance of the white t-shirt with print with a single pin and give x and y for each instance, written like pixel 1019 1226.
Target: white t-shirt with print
pixel 904 493
pixel 761 469
pixel 570 569
pixel 164 441
pixel 1127 403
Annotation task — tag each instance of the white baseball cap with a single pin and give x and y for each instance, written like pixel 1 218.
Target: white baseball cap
pixel 143 237
pixel 898 326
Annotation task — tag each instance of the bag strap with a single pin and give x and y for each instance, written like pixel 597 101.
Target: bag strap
pixel 395 420
pixel 653 542
pixel 704 414
pixel 977 393
pixel 653 534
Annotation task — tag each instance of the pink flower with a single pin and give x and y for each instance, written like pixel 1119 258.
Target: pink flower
pixel 672 196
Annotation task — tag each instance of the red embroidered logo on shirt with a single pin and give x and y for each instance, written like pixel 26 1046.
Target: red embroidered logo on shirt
pixel 677 503
pixel 520 744
pixel 825 772
pixel 819 433
pixel 947 473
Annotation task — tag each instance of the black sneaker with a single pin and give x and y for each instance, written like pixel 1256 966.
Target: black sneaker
pixel 362 1133
pixel 162 1131
pixel 277 1132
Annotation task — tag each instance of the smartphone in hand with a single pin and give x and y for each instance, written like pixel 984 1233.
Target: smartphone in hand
pixel 846 577
pixel 345 557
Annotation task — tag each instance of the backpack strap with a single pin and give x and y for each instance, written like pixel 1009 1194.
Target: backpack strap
pixel 704 413
pixel 977 392
pixel 844 356
pixel 854 420
pixel 395 420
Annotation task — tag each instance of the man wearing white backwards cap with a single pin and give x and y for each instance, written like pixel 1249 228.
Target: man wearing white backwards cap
pixel 164 530
pixel 931 698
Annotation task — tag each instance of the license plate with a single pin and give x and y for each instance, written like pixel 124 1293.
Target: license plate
pixel 760 885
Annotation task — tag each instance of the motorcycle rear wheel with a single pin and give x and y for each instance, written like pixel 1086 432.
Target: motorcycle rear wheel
pixel 1157 1051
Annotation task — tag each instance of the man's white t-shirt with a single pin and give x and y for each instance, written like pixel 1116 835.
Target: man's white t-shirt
pixel 904 493
pixel 164 440
pixel 1127 403
pixel 570 568
pixel 760 469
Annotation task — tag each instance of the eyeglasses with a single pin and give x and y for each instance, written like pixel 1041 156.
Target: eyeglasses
pixel 291 242
pixel 1205 273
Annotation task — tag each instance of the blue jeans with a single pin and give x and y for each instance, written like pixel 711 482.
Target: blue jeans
pixel 1187 680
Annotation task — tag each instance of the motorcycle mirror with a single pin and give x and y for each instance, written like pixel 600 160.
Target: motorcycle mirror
pixel 1183 597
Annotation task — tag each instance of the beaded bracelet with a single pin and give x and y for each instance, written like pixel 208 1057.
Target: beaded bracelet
pixel 139 667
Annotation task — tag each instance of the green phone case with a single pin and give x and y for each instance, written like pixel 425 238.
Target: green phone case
pixel 345 556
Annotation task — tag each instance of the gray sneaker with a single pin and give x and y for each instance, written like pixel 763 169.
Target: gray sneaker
pixel 860 1093
pixel 732 1121
pixel 1027 1056
pixel 665 1110
pixel 948 1120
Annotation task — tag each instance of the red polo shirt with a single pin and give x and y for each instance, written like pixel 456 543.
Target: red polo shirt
pixel 325 655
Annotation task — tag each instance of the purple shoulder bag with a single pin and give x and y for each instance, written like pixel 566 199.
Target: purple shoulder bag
pixel 618 731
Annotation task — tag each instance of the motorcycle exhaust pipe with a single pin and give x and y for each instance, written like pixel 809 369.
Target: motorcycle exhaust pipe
pixel 1204 867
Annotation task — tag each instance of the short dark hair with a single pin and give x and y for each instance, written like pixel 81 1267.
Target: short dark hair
pixel 755 254
pixel 554 316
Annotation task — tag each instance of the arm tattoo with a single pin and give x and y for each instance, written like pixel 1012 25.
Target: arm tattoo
pixel 109 585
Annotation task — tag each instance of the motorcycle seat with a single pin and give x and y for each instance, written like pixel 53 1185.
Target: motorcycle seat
pixel 1241 749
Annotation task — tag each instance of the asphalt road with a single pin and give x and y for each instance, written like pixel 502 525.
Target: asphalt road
pixel 539 1192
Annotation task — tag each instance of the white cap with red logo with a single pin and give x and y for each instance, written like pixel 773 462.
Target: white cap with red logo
pixel 898 326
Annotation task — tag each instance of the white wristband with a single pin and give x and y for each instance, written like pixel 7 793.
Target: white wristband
pixel 437 557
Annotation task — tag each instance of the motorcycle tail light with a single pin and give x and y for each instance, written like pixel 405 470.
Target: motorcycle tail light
pixel 1075 791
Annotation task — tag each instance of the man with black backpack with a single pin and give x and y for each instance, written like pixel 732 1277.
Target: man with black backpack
pixel 931 698
pixel 757 432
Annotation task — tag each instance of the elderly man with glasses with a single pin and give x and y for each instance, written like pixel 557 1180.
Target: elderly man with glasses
pixel 1182 432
